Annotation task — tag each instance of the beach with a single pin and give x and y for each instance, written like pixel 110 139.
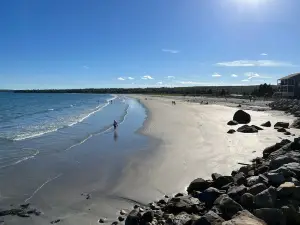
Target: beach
pixel 152 158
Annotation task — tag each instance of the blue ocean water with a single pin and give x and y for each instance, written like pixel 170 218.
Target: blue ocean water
pixel 39 124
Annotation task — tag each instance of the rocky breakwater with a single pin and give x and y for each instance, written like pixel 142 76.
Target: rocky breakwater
pixel 265 192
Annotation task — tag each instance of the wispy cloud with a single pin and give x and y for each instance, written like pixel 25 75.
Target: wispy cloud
pixel 245 80
pixel 86 67
pixel 256 63
pixel 130 78
pixel 263 54
pixel 121 78
pixel 216 75
pixel 234 75
pixel 170 77
pixel 159 83
pixel 147 77
pixel 251 75
pixel 173 51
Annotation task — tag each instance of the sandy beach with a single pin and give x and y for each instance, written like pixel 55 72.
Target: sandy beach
pixel 193 143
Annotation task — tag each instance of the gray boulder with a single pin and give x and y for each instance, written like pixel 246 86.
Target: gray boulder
pixel 257 188
pixel 275 178
pixel 267 151
pixel 239 178
pixel 253 180
pixel 282 124
pixel 232 123
pixel 209 195
pixel 266 198
pixel 242 117
pixel 271 216
pixel 148 216
pixel 247 201
pixel 221 181
pixel 210 218
pixel 231 131
pixel 296 123
pixel 198 185
pixel 236 192
pixel 293 167
pixel 266 124
pixel 133 218
pixel 247 129
pixel 291 214
pixel 286 189
pixel 181 219
pixel 283 159
pixel 182 204
pixel 244 218
pixel 227 206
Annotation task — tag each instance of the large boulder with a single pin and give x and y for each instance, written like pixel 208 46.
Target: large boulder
pixel 210 218
pixel 275 178
pixel 267 151
pixel 253 180
pixel 271 216
pixel 247 129
pixel 236 192
pixel 148 216
pixel 286 189
pixel 239 178
pixel 247 201
pixel 209 195
pixel 242 117
pixel 133 218
pixel 182 204
pixel 232 123
pixel 266 124
pixel 284 159
pixel 222 181
pixel 296 123
pixel 293 167
pixel 244 218
pixel 282 124
pixel 227 206
pixel 291 214
pixel 257 188
pixel 181 219
pixel 266 198
pixel 198 185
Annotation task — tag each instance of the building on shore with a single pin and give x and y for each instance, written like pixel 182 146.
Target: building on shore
pixel 289 86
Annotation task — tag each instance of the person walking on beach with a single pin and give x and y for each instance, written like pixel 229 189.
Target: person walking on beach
pixel 115 124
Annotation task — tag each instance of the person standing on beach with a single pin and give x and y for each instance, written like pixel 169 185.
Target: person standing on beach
pixel 115 124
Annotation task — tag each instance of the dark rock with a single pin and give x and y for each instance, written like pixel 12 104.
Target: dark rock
pixel 286 189
pixel 102 220
pixel 25 206
pixel 266 198
pixel 287 133
pixel 136 206
pixel 291 214
pixel 271 216
pixel 275 178
pixel 121 218
pixel 253 180
pixel 181 219
pixel 256 127
pixel 267 151
pixel 182 204
pixel 133 218
pixel 244 218
pixel 266 124
pixel 227 206
pixel 215 176
pixel 162 201
pixel 239 105
pixel 242 117
pixel 23 214
pixel 231 131
pixel 232 123
pixel 236 192
pixel 282 124
pixel 209 195
pixel 210 218
pixel 115 223
pixel 257 188
pixel 247 129
pixel 198 185
pixel 262 169
pixel 148 216
pixel 55 221
pixel 282 130
pixel 284 171
pixel 281 160
pixel 239 178
pixel 123 212
pixel 251 173
pixel 293 167
pixel 179 195
pixel 226 187
pixel 247 201
pixel 221 181
pixel 296 123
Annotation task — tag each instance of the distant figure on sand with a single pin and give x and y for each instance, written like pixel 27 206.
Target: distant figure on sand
pixel 115 124
pixel 173 103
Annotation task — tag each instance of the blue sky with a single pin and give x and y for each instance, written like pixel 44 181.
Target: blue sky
pixel 140 43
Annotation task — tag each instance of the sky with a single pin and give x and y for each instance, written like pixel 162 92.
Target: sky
pixel 147 43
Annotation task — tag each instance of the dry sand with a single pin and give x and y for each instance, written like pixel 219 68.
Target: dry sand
pixel 193 143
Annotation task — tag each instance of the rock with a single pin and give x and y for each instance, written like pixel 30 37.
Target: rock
pixel 291 214
pixel 55 221
pixel 256 127
pixel 179 195
pixel 247 201
pixel 162 201
pixel 232 123
pixel 247 129
pixel 242 117
pixel 296 123
pixel 148 216
pixel 123 212
pixel 267 151
pixel 282 124
pixel 198 185
pixel 215 176
pixel 287 133
pixel 239 178
pixel 293 167
pixel 236 192
pixel 252 180
pixel 296 193
pixel 257 188
pixel 181 219
pixel 286 189
pixel 209 195
pixel 25 206
pixel 266 198
pixel 133 218
pixel 182 204
pixel 231 131
pixel 210 218
pixel 227 206
pixel 244 218
pixel 282 130
pixel 221 181
pixel 271 216
pixel 275 178
pixel 115 223
pixel 136 206
pixel 266 124
pixel 281 160
pixel 121 218
pixel 102 220
pixel 23 214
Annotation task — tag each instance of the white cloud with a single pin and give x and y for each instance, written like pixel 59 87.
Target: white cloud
pixel 216 75
pixel 160 83
pixel 170 77
pixel 147 77
pixel 173 51
pixel 246 80
pixel 263 54
pixel 86 67
pixel 251 75
pixel 234 75
pixel 257 63
pixel 121 78
pixel 130 78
